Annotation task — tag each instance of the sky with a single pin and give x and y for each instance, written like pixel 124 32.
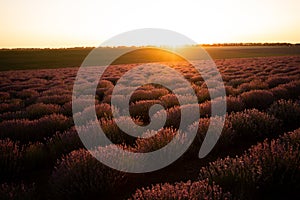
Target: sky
pixel 70 23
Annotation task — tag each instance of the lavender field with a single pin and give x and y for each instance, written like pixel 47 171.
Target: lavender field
pixel 256 157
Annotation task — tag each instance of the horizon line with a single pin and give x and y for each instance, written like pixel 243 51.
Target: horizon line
pixel 157 46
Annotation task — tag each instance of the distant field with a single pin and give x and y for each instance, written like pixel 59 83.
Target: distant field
pixel 17 59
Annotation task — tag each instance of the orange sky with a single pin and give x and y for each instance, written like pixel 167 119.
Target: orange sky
pixel 56 23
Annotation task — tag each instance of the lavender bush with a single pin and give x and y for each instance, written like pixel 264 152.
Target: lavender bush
pixel 288 111
pixel 79 175
pixel 17 191
pixel 10 159
pixel 260 99
pixel 252 125
pixel 182 190
pixel 268 169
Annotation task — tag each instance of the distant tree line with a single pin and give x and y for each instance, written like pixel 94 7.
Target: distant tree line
pixel 251 44
pixel 202 45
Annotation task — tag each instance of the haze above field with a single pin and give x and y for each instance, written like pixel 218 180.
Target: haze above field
pixel 41 24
